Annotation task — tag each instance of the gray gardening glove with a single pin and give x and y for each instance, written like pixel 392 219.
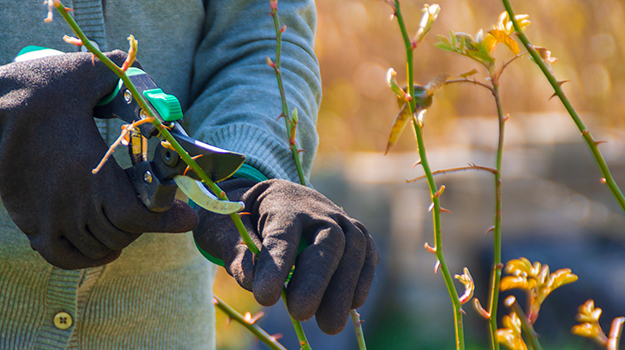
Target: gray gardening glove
pixel 332 275
pixel 49 143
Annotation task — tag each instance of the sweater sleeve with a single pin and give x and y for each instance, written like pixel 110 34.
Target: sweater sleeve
pixel 236 101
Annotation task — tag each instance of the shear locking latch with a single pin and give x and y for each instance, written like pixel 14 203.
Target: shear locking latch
pixel 167 106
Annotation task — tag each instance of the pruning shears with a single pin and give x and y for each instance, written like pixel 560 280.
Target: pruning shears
pixel 156 177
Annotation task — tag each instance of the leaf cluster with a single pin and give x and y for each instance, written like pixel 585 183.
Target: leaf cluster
pixel 536 280
pixel 481 48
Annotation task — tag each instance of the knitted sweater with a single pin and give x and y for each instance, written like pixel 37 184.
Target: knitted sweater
pixel 211 55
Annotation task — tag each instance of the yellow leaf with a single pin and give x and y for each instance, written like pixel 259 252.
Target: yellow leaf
pixel 561 277
pixel 504 24
pixel 512 322
pixel 399 124
pixel 584 330
pixel 510 336
pixel 502 37
pixel 524 20
pixel 588 313
pixel 516 282
pixel 469 73
pixel 520 266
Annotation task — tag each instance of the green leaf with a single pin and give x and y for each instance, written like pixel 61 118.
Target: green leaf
pixel 481 57
pixel 444 44
pixel 452 36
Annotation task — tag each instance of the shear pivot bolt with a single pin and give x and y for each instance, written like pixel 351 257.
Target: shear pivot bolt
pixel 127 97
pixel 147 177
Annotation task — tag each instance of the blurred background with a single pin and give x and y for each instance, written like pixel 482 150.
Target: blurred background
pixel 555 210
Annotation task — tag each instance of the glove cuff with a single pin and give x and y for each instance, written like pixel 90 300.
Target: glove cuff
pixel 208 256
pixel 249 172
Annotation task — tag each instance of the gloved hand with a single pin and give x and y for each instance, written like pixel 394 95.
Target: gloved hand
pixel 332 275
pixel 49 143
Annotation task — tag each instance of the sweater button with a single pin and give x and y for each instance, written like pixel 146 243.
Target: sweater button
pixel 63 320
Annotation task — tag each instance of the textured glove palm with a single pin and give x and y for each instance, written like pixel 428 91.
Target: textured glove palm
pixel 49 143
pixel 332 274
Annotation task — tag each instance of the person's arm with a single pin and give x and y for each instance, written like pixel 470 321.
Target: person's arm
pixel 236 101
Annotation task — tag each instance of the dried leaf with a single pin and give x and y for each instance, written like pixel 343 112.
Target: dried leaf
pixel 546 56
pixel 436 83
pixel 469 286
pixel 399 124
pixel 132 53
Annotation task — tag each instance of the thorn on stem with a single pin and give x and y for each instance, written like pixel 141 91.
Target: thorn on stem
pixel 429 248
pixel 499 266
pixel 437 266
pixel 228 320
pixel 462 311
pixel 585 132
pixel 431 207
pixel 71 40
pixel 600 142
pixel 167 145
pixel 283 29
pixel 253 319
pixel 276 336
pixel 603 180
pixel 445 210
pixel 490 229
pixel 271 64
pixel 509 301
pixel 439 192
pixel 480 310
pixel 241 213
pixel 505 119
pixel 415 164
